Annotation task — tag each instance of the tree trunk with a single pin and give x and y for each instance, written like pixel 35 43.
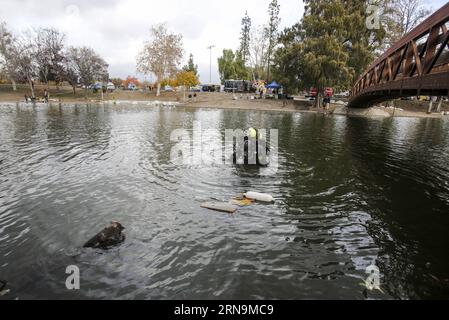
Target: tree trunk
pixel 158 92
pixel 284 96
pixel 440 102
pixel 33 96
pixel 319 99
pixel 74 90
pixel 429 111
pixel 14 85
pixel 254 76
pixel 269 54
pixel 268 71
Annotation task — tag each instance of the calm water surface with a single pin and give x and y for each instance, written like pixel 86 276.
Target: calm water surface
pixel 349 192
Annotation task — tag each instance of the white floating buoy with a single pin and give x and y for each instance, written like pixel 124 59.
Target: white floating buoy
pixel 262 197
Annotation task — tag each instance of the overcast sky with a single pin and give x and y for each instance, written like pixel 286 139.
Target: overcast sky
pixel 117 28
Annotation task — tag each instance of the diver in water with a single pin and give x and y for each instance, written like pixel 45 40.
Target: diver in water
pixel 254 143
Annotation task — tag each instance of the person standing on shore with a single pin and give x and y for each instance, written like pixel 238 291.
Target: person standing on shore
pixel 46 96
pixel 326 102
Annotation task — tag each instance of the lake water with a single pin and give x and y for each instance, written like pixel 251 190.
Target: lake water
pixel 350 193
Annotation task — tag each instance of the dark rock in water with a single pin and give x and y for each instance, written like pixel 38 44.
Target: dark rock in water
pixel 3 284
pixel 110 236
pixel 3 290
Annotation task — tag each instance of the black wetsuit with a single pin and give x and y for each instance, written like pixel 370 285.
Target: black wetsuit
pixel 255 158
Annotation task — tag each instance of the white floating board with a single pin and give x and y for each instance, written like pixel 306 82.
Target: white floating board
pixel 220 206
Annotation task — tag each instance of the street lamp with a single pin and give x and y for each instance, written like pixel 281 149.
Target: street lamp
pixel 210 64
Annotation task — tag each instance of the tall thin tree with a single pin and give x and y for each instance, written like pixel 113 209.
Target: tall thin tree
pixel 245 38
pixel 272 31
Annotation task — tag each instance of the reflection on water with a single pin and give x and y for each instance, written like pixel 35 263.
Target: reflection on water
pixel 349 192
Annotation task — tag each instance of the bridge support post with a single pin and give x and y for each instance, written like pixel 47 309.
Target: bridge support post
pixel 429 111
pixel 440 99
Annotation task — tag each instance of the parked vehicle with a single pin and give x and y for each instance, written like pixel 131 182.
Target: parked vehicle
pixel 311 93
pixel 327 92
pixel 209 88
pixel 111 87
pixel 238 86
pixel 233 86
pixel 344 94
pixel 132 87
pixel 168 89
pixel 97 87
pixel 195 89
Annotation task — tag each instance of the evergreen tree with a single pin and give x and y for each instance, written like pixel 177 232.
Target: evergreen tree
pixel 271 31
pixel 324 54
pixel 191 66
pixel 330 48
pixel 245 38
pixel 287 63
pixel 361 43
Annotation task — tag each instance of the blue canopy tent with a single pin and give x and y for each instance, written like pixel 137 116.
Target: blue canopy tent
pixel 274 85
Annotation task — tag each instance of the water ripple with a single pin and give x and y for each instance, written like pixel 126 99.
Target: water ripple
pixel 349 193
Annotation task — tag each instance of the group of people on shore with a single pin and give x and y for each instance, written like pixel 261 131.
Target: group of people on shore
pixel 33 98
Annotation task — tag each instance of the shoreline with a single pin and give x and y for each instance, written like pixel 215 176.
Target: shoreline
pixel 225 101
pixel 365 113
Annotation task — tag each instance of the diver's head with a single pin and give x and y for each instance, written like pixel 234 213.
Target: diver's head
pixel 252 133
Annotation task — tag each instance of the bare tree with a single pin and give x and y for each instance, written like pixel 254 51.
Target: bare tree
pixel 402 16
pixel 85 66
pixel 71 74
pixel 25 61
pixel 258 50
pixel 18 57
pixel 49 44
pixel 161 55
pixel 8 54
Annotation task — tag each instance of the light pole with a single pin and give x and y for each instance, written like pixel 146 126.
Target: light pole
pixel 210 64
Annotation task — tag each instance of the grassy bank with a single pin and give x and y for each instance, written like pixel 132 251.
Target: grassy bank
pixel 65 94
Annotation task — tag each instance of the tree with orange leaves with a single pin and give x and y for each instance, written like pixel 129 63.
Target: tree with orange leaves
pixel 132 80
